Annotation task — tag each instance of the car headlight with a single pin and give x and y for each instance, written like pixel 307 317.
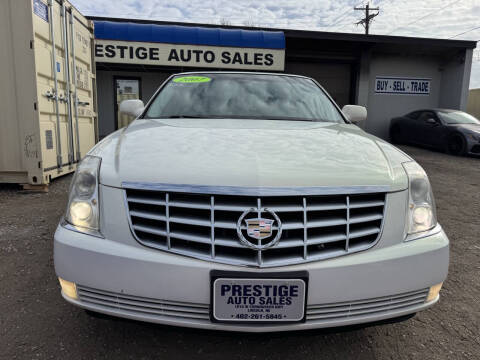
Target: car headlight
pixel 83 208
pixel 421 213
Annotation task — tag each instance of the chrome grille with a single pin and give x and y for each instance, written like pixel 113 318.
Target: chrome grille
pixel 200 313
pixel 346 310
pixel 204 225
pixel 143 306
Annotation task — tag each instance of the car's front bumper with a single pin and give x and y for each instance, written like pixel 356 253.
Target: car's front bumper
pixel 473 148
pixel 145 284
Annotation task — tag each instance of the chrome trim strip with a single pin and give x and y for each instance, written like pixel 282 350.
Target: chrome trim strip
pixel 258 191
pixel 167 218
pixel 435 230
pixel 81 230
pixel 305 223
pixel 347 240
pixel 212 225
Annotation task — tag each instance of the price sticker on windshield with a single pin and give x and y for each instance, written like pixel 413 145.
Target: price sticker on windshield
pixel 191 79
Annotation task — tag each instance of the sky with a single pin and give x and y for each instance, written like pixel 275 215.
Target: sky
pixel 426 18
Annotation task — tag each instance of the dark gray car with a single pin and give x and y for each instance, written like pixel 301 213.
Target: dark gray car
pixel 453 131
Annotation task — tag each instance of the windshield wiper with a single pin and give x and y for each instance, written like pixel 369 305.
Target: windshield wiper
pixel 277 118
pixel 184 117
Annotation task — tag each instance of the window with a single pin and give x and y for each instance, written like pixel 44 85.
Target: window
pixel 457 117
pixel 426 115
pixel 414 115
pixel 244 96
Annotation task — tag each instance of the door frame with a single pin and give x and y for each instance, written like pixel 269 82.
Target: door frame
pixel 115 106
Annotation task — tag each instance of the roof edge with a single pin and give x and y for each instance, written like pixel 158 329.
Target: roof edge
pixel 310 34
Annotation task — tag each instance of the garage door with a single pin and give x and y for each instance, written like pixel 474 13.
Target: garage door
pixel 335 78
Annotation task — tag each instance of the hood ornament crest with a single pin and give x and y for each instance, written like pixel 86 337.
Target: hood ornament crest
pixel 252 228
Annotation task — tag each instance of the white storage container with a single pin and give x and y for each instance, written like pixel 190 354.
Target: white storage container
pixel 47 93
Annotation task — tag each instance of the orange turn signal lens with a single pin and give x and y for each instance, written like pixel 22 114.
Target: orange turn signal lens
pixel 68 288
pixel 434 291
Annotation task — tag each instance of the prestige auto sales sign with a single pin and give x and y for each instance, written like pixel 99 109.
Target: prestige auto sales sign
pixel 109 51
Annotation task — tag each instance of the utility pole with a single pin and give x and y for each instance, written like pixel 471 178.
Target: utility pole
pixel 368 17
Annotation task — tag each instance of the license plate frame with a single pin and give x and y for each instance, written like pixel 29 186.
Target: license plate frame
pixel 293 275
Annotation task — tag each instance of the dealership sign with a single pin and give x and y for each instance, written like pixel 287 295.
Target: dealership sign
pixel 143 53
pixel 401 85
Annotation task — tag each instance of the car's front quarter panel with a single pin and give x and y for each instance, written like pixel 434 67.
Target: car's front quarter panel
pixel 472 139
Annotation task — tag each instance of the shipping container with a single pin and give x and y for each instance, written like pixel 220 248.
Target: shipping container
pixel 48 117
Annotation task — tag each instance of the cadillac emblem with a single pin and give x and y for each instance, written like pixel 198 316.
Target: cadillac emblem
pixel 252 229
pixel 259 228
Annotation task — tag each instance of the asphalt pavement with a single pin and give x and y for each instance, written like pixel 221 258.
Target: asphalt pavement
pixel 36 323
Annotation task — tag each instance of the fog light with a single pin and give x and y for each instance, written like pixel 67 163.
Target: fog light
pixel 434 291
pixel 68 288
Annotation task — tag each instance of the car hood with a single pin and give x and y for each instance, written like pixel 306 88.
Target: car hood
pixel 469 127
pixel 250 153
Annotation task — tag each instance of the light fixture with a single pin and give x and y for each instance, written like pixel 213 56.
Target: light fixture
pixel 68 288
pixel 421 215
pixel 83 208
pixel 434 292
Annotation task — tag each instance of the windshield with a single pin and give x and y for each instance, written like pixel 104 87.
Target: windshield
pixel 457 117
pixel 243 96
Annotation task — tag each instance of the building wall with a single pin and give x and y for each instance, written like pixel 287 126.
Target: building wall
pixel 448 87
pixel 455 81
pixel 334 77
pixel 105 87
pixel 473 107
pixel 383 107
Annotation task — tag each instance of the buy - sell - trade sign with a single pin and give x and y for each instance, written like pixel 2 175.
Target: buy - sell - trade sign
pixel 402 85
pixel 143 53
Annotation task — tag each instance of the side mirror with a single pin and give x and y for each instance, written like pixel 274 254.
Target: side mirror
pixel 132 107
pixel 431 121
pixel 355 113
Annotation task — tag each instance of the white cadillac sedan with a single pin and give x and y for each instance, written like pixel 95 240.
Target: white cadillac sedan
pixel 249 202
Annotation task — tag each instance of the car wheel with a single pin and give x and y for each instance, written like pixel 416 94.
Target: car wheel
pixel 396 135
pixel 456 145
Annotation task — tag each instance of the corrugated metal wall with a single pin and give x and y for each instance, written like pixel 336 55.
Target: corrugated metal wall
pixel 47 91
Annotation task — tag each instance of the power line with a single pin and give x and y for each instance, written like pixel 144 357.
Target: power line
pixel 236 21
pixel 208 18
pixel 475 28
pixel 337 20
pixel 334 22
pixel 423 17
pixel 368 17
pixel 342 16
pixel 339 23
